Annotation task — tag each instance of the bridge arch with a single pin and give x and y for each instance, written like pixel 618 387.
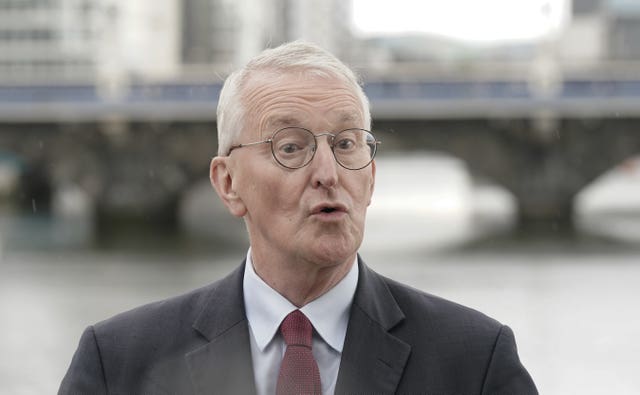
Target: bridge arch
pixel 543 168
pixel 609 205
pixel 141 168
pixel 205 219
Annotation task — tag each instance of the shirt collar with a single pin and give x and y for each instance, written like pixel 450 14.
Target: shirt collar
pixel 329 313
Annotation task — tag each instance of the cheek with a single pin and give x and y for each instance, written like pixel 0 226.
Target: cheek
pixel 279 194
pixel 364 191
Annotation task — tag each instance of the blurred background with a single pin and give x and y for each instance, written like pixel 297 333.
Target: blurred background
pixel 508 178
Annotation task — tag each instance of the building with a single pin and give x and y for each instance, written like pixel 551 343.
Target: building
pixel 225 33
pixel 81 39
pixel 45 37
pixel 601 31
pixel 624 29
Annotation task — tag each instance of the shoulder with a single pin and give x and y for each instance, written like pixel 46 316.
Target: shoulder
pixel 158 314
pixel 467 348
pixel 423 306
pixel 426 317
pixel 142 350
pixel 171 317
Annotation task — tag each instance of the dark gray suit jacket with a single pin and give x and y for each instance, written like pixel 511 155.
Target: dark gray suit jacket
pixel 399 340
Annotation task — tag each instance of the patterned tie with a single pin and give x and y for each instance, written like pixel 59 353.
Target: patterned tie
pixel 299 372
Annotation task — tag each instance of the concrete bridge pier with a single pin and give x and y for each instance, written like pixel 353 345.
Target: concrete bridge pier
pixel 146 169
pixel 35 190
pixel 550 172
pixel 543 213
pixel 133 174
pixel 543 167
pixel 139 171
pixel 119 224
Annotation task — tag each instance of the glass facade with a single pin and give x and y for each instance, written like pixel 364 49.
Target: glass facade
pixel 41 38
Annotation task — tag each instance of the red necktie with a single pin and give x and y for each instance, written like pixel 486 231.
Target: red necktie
pixel 299 372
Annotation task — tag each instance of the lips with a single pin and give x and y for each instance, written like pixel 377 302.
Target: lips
pixel 328 208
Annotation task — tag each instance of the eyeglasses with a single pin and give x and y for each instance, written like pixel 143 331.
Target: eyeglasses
pixel 295 147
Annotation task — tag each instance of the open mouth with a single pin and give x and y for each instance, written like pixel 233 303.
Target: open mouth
pixel 329 209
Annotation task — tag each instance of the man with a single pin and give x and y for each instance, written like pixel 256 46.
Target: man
pixel 303 313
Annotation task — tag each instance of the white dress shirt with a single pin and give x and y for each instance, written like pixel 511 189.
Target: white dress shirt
pixel 266 309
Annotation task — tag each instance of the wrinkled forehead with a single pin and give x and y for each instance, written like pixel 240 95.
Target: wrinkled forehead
pixel 274 100
pixel 283 119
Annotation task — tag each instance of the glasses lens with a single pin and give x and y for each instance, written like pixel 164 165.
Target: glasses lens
pixel 354 148
pixel 293 147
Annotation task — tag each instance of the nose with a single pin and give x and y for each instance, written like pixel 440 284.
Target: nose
pixel 324 167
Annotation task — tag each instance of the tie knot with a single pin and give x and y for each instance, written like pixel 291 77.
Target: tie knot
pixel 297 329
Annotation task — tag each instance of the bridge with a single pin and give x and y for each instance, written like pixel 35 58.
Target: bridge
pixel 135 148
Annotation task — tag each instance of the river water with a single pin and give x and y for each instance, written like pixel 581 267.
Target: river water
pixel 572 302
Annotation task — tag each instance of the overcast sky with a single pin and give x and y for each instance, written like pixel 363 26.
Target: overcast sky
pixel 473 20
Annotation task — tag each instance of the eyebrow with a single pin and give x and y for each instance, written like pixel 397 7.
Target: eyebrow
pixel 349 117
pixel 281 122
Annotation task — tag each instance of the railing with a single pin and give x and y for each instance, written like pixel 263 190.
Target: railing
pixel 607 90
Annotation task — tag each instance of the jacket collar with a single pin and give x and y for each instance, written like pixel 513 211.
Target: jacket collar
pixel 373 360
pixel 224 364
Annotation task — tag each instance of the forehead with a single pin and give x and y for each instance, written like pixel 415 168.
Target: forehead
pixel 281 119
pixel 284 99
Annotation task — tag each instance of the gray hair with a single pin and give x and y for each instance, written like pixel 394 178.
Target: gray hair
pixel 294 56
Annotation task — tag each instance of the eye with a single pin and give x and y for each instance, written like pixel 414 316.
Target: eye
pixel 290 148
pixel 345 144
pixel 292 141
pixel 291 145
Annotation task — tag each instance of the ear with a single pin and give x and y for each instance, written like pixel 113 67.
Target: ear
pixel 221 178
pixel 373 181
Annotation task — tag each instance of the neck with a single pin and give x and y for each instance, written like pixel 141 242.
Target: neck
pixel 299 281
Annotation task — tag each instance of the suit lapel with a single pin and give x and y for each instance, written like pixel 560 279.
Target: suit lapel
pixel 373 360
pixel 223 365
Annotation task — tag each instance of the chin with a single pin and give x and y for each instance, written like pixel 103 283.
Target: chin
pixel 332 252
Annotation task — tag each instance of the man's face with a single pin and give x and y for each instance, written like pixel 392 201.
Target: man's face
pixel 314 214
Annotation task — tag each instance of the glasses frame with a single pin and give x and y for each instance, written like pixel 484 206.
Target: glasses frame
pixel 331 138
